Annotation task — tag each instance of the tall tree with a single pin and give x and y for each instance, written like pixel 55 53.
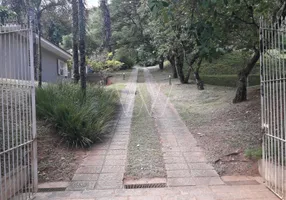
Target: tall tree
pixel 75 33
pixel 40 6
pixel 106 25
pixel 82 34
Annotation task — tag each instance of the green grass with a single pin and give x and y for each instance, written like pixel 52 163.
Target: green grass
pixel 254 153
pixel 79 121
pixel 145 159
pixel 227 64
pixel 229 80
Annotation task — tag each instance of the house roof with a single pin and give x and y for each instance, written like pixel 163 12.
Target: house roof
pixel 54 49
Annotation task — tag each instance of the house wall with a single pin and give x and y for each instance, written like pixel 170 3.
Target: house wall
pixel 49 66
pixel 14 60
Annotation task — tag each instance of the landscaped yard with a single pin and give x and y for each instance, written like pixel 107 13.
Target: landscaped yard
pixel 226 131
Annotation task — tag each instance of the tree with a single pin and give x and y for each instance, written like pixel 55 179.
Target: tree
pixel 75 36
pixel 40 7
pixel 106 25
pixel 82 34
pixel 239 21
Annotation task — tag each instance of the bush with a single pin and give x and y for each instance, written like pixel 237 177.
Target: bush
pixel 126 56
pixel 128 62
pixel 79 121
pixel 109 65
pixel 228 80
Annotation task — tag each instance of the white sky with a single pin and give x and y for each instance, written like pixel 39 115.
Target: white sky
pixel 91 3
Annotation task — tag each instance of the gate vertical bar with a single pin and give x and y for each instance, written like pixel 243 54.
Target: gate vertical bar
pixel 273 103
pixel 34 132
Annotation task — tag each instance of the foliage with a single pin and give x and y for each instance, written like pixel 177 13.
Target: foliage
pixel 126 56
pixel 67 42
pixel 5 14
pixel 79 120
pixel 108 65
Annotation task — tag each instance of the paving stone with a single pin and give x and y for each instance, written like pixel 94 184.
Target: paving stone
pixel 113 169
pixel 174 160
pixel 179 197
pixel 116 157
pixel 89 169
pixel 208 181
pixel 204 173
pixel 178 173
pixel 51 185
pixel 96 152
pixel 85 177
pixel 145 198
pixel 200 166
pixel 91 162
pixel 81 185
pixel 176 166
pixel 118 162
pixel 110 181
pixel 117 152
pixel 176 182
pixel 118 147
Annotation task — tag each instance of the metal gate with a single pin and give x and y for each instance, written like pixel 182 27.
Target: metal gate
pixel 18 163
pixel 273 84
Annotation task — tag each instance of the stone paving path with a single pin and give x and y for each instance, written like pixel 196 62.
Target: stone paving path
pixel 189 176
pixel 104 166
pixel 185 161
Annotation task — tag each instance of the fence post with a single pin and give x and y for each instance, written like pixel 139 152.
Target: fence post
pixel 170 80
pixel 33 100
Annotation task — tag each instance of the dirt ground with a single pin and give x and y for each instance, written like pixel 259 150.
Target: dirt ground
pixel 56 161
pixel 225 130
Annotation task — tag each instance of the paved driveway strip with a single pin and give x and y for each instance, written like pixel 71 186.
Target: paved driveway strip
pixel 185 161
pixel 104 166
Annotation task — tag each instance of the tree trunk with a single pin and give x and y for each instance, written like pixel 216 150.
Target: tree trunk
pixel 241 92
pixel 39 50
pixel 179 64
pixel 161 63
pixel 172 61
pixel 106 24
pixel 75 30
pixel 195 57
pixel 82 33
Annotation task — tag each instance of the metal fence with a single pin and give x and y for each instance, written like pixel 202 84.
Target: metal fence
pixel 18 163
pixel 273 83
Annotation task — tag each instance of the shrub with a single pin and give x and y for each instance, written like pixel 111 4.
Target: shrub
pixel 128 62
pixel 109 65
pixel 126 56
pixel 79 121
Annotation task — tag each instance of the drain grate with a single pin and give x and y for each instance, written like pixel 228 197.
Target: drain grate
pixel 148 185
pixel 52 189
pixel 145 183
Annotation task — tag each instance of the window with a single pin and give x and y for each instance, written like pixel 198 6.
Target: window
pixel 62 68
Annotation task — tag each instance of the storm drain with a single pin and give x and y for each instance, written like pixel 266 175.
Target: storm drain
pixel 145 183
